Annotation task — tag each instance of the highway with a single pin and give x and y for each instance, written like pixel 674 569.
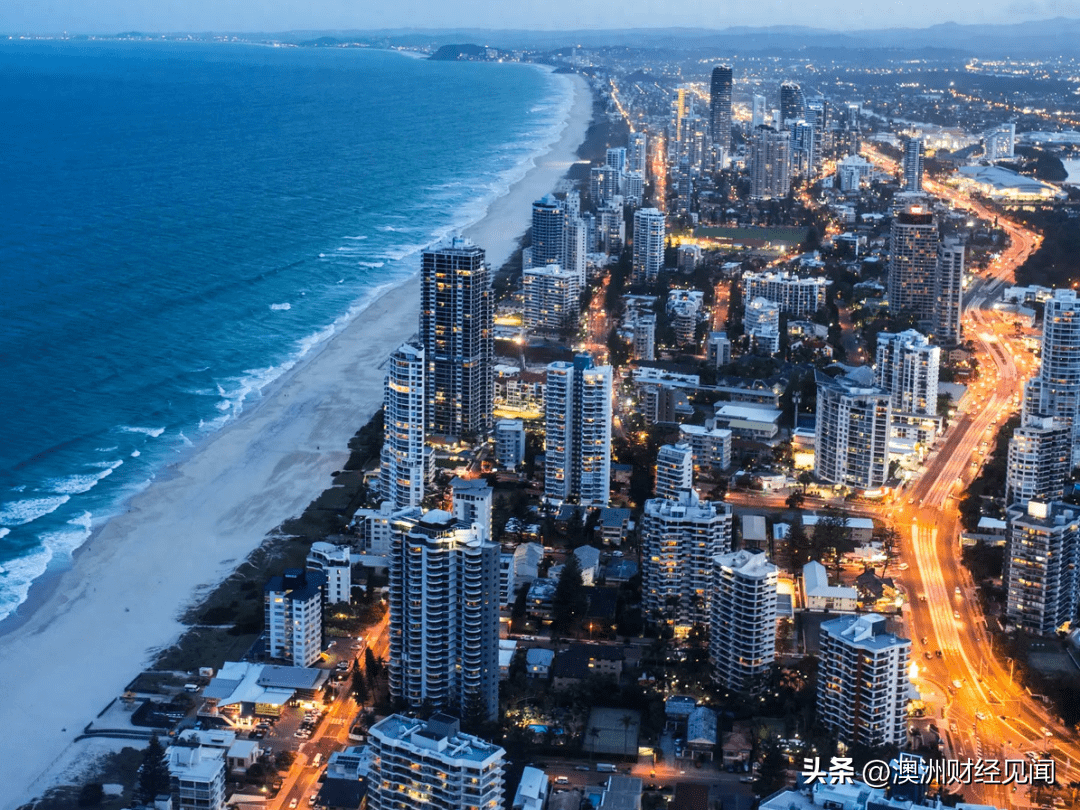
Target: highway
pixel 981 711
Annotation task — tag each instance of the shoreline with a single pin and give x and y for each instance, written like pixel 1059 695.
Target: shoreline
pixel 97 622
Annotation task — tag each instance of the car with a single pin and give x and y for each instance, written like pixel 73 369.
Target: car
pixel 925 640
pixel 982 715
pixel 293 803
pixel 956 614
pixel 929 655
pixel 956 590
pixel 581 768
pixel 938 653
pixel 563 780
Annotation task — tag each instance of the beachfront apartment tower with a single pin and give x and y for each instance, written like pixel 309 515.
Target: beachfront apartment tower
pixel 720 108
pixel 863 686
pixel 457 333
pixel 552 297
pixel 548 220
pixel 649 233
pixel 913 164
pixel 444 616
pixel 908 367
pixel 577 417
pixel 674 470
pixel 402 459
pixel 335 564
pixel 1042 552
pixel 431 764
pixel 770 163
pixel 949 292
pixel 1056 390
pixel 742 627
pixel 913 264
pixel 197 776
pixel 1038 465
pixel 679 539
pixel 293 616
pixel 851 436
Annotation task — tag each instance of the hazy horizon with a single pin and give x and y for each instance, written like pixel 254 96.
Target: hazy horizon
pixel 242 16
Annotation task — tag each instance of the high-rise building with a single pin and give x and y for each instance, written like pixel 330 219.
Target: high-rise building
pixel 682 105
pixel 913 263
pixel 711 447
pixel 644 344
pixel 471 502
pixel 797 296
pixel 402 460
pixel 1056 390
pixel 575 238
pixel 615 159
pixel 552 297
pixel 679 540
pixel 649 233
pixel 742 627
pixel 548 220
pixel 197 776
pixel 431 764
pixel 851 441
pixel 1042 559
pixel 757 112
pixel 577 415
pixel 634 188
pixel 674 470
pixel 770 163
pixel 335 565
pixel 792 104
pixel 863 686
pixel 999 143
pixel 293 616
pixel 908 367
pixel 611 227
pixel 444 615
pixel 598 185
pixel 717 349
pixel 804 148
pixel 720 107
pixel 457 333
pixel 913 164
pixel 761 322
pixel 637 154
pixel 510 443
pixel 1039 461
pixel 949 292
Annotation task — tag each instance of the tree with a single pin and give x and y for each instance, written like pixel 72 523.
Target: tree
pixel 801 549
pixel 569 602
pixel 795 500
pixel 772 775
pixel 154 775
pixel 359 685
pixel 91 795
pixel 283 760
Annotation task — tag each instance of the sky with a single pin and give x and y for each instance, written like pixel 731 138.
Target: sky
pixel 112 16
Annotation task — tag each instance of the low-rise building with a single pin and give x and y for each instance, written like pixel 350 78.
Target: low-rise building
pixel 711 447
pixel 538 662
pixel 747 421
pixel 819 595
pixel 197 776
pixel 579 662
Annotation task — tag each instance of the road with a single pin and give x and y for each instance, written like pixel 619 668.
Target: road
pixel 983 712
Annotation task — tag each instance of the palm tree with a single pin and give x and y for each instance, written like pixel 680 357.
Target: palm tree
pixel 627 722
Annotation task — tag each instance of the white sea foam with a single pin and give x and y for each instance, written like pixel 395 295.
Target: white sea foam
pixel 322 255
pixel 185 441
pixel 152 432
pixel 356 237
pixel 105 449
pixel 372 265
pixel 280 307
pixel 135 454
pixel 78 484
pixel 16 513
pixel 4 532
pixel 389 229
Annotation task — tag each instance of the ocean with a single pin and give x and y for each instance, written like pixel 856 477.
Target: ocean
pixel 184 222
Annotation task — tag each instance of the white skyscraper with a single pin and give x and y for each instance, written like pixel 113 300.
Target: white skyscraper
pixel 431 764
pixel 649 233
pixel 913 164
pixel 711 446
pixel 742 629
pixel 757 112
pixel 949 292
pixel 644 336
pixel 761 322
pixel 674 470
pixel 1056 390
pixel 401 472
pixel 1039 461
pixel 510 443
pixel 548 221
pixel 908 367
pixel 1000 142
pixel 293 616
pixel 796 295
pixel 444 615
pixel 577 415
pixel 679 540
pixel 637 155
pixel 335 564
pixel 1042 555
pixel 575 237
pixel 851 442
pixel 863 686
pixel 471 503
pixel 552 297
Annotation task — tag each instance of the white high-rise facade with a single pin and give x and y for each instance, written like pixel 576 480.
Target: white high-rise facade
pixel 335 564
pixel 1000 142
pixel 649 233
pixel 471 502
pixel 1056 390
pixel 908 367
pixel 949 292
pixel 552 297
pixel 548 221
pixel 293 616
pixel 577 416
pixel 510 443
pixel 637 154
pixel 863 686
pixel 711 446
pixel 402 460
pixel 742 629
pixel 431 764
pixel 444 615
pixel 761 322
pixel 674 470
pixel 851 442
pixel 1042 555
pixel 797 296
pixel 1038 465
pixel 679 539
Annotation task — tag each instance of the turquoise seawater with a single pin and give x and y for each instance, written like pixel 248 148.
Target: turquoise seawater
pixel 183 222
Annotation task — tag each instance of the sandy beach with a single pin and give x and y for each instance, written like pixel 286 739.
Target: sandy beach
pixel 96 626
